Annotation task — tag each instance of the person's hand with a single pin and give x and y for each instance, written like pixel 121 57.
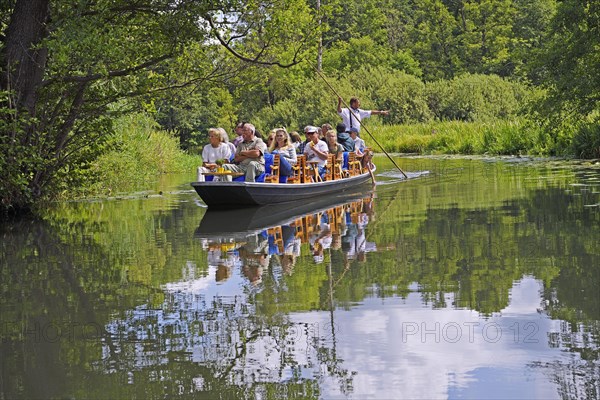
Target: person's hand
pixel 385 112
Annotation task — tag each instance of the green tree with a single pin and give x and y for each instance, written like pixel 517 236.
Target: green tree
pixel 65 69
pixel 569 69
pixel 486 34
pixel 343 57
pixel 571 63
pixel 531 25
pixel 433 40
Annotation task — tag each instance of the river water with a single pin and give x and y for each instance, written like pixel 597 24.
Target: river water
pixel 477 278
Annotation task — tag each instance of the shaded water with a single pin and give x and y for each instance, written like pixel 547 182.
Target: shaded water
pixel 478 279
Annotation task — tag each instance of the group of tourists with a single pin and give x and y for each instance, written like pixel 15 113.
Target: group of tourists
pixel 245 154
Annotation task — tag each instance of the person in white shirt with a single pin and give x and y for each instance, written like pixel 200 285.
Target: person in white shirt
pixel 316 149
pixel 352 117
pixel 215 150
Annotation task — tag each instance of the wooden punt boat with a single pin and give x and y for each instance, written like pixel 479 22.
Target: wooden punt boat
pixel 238 194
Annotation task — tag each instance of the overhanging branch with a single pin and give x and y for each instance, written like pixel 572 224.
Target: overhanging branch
pixel 111 74
pixel 255 60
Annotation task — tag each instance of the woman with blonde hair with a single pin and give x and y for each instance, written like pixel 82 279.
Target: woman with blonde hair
pixel 270 141
pixel 215 152
pixel 225 138
pixel 282 144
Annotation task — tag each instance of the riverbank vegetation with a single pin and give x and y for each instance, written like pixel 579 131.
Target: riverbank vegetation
pixel 139 152
pixel 485 76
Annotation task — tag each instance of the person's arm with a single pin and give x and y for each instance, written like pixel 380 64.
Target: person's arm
pixel 321 153
pixel 340 152
pixel 380 112
pixel 293 157
pixel 339 108
pixel 244 154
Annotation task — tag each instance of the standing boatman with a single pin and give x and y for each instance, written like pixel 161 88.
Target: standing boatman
pixel 353 116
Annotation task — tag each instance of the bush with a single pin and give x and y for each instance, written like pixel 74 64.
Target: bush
pixel 314 103
pixel 475 98
pixel 397 91
pixel 310 104
pixel 586 140
pixel 139 154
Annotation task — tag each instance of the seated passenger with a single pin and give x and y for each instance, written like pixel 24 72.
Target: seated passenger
pixel 249 157
pixel 308 130
pixel 324 129
pixel 270 140
pixel 316 150
pixel 238 131
pixel 225 138
pixel 344 138
pixel 359 144
pixel 333 145
pixel 287 152
pixel 296 139
pixel 214 151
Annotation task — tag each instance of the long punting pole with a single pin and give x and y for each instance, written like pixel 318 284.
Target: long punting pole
pixel 361 124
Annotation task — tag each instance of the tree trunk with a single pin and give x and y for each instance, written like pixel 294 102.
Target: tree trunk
pixel 23 63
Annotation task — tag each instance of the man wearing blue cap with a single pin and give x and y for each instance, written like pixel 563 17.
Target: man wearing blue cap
pixel 359 144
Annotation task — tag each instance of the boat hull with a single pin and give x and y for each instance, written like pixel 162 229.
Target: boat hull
pixel 247 194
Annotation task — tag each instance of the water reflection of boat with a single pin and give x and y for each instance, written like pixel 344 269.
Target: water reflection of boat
pixel 254 235
pixel 238 223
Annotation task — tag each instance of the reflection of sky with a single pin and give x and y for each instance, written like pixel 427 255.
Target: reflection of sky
pixel 392 348
pixel 401 350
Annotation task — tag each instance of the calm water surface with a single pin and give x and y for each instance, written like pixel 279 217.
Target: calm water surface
pixel 480 278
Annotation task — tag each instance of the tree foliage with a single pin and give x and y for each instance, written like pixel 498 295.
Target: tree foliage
pixel 571 63
pixel 569 70
pixel 65 66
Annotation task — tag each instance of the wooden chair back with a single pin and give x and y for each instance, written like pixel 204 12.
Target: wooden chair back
pixel 354 164
pixel 273 177
pixel 298 170
pixel 333 168
pixel 329 168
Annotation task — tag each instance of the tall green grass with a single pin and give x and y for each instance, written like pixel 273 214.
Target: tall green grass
pixel 139 154
pixel 458 137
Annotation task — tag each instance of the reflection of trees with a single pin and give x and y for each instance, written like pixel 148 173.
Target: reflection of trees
pixel 235 346
pixel 576 379
pixel 62 279
pixel 90 263
pixel 478 253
